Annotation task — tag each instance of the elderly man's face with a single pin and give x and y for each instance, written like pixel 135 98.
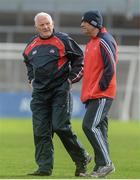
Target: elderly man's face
pixel 44 26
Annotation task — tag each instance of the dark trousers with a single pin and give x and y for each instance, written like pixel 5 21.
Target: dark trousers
pixel 51 113
pixel 95 126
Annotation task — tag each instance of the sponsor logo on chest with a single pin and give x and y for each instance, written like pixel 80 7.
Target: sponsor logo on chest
pixel 34 52
pixel 52 51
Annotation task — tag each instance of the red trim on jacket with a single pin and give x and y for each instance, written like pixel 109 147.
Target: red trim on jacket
pixel 52 41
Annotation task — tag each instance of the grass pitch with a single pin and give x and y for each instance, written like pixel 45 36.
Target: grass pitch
pixel 17 150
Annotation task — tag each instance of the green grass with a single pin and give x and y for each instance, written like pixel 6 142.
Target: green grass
pixel 17 150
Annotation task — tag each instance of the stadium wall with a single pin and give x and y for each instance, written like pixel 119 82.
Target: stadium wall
pixel 17 104
pixel 13 79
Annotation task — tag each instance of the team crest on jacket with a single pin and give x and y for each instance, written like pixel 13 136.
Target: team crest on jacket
pixel 52 51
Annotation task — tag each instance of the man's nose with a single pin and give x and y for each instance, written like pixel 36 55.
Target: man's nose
pixel 45 26
pixel 82 24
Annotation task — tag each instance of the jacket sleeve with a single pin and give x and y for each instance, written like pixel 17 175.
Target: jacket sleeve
pixel 75 57
pixel 108 55
pixel 29 68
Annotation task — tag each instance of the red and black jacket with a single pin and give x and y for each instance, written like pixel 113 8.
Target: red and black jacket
pixel 52 61
pixel 101 57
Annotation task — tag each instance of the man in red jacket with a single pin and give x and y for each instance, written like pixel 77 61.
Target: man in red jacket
pixel 98 88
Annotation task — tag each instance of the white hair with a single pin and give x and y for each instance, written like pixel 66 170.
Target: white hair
pixel 42 14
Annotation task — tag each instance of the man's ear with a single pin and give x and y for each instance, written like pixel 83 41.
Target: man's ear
pixel 35 28
pixel 53 23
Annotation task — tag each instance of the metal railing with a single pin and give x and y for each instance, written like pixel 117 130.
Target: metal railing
pixel 13 77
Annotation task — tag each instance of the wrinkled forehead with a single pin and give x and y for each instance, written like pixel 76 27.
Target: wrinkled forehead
pixel 43 19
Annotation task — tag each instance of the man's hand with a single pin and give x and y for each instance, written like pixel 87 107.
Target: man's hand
pixel 69 81
pixel 31 83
